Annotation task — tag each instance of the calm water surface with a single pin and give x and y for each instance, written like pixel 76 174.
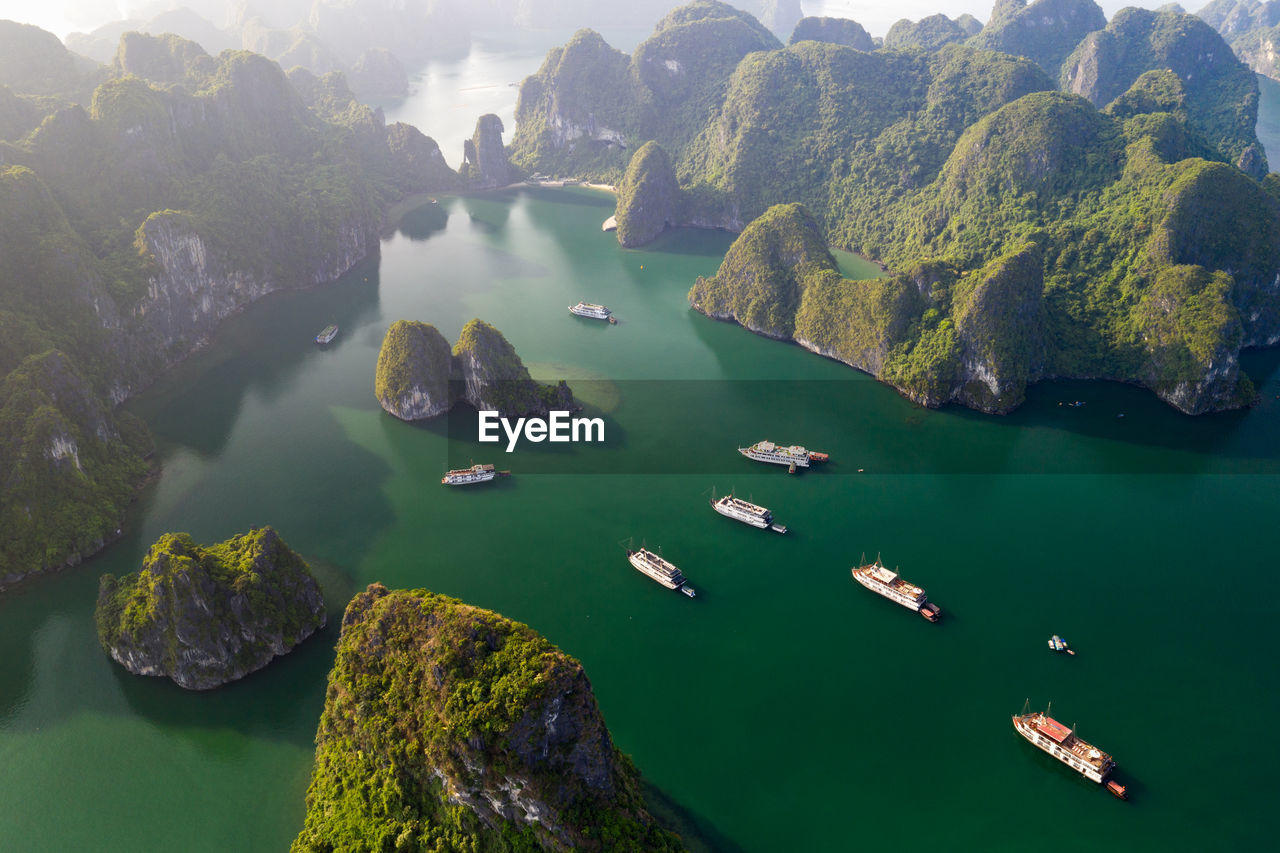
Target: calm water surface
pixel 786 708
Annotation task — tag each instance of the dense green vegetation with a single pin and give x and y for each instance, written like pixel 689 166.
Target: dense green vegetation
pixel 136 213
pixel 208 615
pixel 928 33
pixel 1044 31
pixel 414 361
pixel 833 30
pixel 435 737
pixel 649 197
pixel 1035 215
pixel 493 376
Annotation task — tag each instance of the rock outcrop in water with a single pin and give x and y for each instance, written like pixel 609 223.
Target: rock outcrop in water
pixel 493 376
pixel 418 377
pixel 484 162
pixel 447 727
pixel 648 196
pixel 205 616
pixel 414 366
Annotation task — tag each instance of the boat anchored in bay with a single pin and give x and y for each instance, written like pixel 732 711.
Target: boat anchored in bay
pixel 746 512
pixel 327 334
pixel 474 474
pixel 1051 736
pixel 592 311
pixel 794 456
pixel 878 579
pixel 661 570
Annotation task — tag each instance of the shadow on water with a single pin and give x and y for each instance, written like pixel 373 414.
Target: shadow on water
pixel 423 222
pixel 260 351
pixel 697 833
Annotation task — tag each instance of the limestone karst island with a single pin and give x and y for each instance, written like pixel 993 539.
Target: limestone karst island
pixel 554 425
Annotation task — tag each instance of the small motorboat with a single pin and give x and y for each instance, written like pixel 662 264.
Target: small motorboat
pixel 1059 645
pixel 689 591
pixel 931 611
pixel 1119 790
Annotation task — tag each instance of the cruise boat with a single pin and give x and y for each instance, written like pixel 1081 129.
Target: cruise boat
pixel 1058 644
pixel 474 474
pixel 878 579
pixel 1062 743
pixel 327 334
pixel 793 457
pixel 593 311
pixel 659 569
pixel 745 511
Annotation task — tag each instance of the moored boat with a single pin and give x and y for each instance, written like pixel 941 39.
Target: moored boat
pixel 592 311
pixel 878 579
pixel 327 334
pixel 659 569
pixel 931 611
pixel 1060 645
pixel 1051 736
pixel 744 511
pixel 474 474
pixel 793 456
pixel 1119 790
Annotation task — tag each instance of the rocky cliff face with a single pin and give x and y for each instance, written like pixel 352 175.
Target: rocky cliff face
pixel 493 377
pixel 196 286
pixel 979 338
pixel 648 197
pixel 207 616
pixel 1222 94
pixel 485 163
pixel 414 366
pixel 1044 32
pixel 418 377
pixel 464 730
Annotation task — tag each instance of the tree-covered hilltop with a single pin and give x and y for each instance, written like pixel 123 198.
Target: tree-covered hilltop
pixel 414 367
pixel 493 377
pixel 419 377
pixel 448 727
pixel 207 615
pixel 833 30
pixel 1045 31
pixel 135 215
pixel 990 192
pixel 1221 92
pixel 929 33
pixel 649 197
pixel 589 106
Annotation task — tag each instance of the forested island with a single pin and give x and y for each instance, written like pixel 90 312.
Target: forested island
pixel 204 616
pixel 1091 193
pixel 448 727
pixel 418 377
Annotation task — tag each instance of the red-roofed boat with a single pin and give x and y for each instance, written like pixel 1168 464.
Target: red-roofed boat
pixel 1062 743
pixel 1119 790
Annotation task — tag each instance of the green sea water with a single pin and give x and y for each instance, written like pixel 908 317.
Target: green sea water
pixel 785 708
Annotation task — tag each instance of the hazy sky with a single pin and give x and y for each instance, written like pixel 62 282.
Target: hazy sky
pixel 64 16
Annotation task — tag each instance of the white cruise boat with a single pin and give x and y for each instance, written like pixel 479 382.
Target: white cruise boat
pixel 467 476
pixel 588 309
pixel 795 456
pixel 878 579
pixel 744 511
pixel 1061 742
pixel 659 569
